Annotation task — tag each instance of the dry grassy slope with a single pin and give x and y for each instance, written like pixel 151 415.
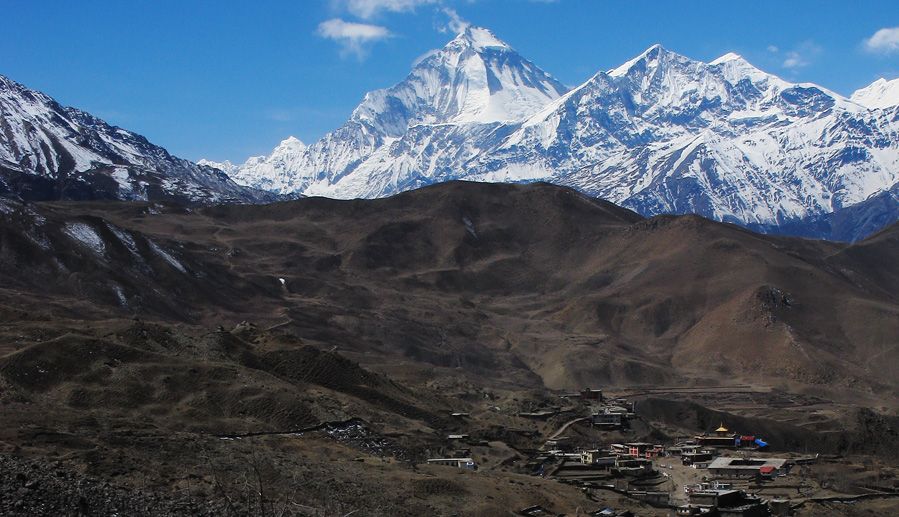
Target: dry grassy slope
pixel 525 285
pixel 219 383
pixel 40 258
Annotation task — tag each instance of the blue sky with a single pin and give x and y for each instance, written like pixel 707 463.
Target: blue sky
pixel 228 79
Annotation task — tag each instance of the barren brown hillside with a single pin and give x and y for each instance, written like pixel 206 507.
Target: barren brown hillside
pixel 531 279
pixel 233 321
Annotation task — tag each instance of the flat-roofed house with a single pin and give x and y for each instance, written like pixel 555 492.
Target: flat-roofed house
pixel 607 419
pixel 747 467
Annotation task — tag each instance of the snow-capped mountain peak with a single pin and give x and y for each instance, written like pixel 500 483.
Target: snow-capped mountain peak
pixel 225 166
pixel 879 94
pixel 625 67
pixel 659 64
pixel 266 172
pixel 479 38
pixel 736 68
pixel 646 59
pixel 476 81
pixel 475 78
pixel 664 133
pixel 730 56
pixel 291 144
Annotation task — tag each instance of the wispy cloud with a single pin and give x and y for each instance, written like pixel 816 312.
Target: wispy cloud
pixel 455 24
pixel 367 9
pixel 353 38
pixel 794 60
pixel 884 41
pixel 802 55
pixel 279 115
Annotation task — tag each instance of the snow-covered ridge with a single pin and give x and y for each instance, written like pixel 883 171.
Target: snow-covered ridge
pixel 667 134
pixel 54 151
pixel 879 94
pixel 265 172
pixel 225 166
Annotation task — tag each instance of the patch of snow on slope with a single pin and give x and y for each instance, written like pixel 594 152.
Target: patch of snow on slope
pixel 6 206
pixel 120 294
pixel 125 237
pixel 121 176
pixel 86 235
pixel 167 257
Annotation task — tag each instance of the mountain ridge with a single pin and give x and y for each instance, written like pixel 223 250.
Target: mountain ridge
pixel 49 151
pixel 661 133
pixel 879 94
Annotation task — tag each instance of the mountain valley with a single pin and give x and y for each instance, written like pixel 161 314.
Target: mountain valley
pixel 672 288
pixel 243 335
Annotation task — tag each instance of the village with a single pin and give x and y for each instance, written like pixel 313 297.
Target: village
pixel 726 472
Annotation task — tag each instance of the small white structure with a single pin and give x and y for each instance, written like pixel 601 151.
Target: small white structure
pixel 747 467
pixel 462 463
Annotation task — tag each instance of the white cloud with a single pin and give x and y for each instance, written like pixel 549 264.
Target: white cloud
pixel 353 38
pixel 794 60
pixel 456 24
pixel 884 41
pixel 802 55
pixel 773 49
pixel 366 9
